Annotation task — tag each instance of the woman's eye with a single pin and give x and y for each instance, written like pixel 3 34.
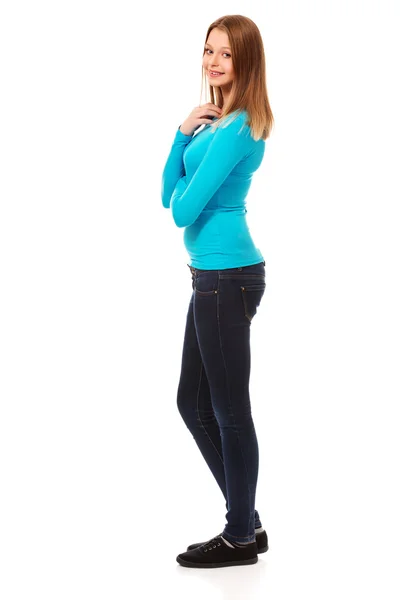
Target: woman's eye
pixel 208 50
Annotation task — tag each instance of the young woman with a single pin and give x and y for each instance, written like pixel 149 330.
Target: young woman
pixel 205 183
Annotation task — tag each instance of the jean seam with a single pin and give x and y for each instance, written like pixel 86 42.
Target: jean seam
pixel 198 414
pixel 229 397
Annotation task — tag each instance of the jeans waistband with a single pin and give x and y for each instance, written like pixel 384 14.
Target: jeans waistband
pixel 194 270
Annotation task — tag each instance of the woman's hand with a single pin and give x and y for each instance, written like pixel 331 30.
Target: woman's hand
pixel 198 116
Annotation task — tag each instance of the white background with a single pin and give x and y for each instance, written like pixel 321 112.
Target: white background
pixel 102 484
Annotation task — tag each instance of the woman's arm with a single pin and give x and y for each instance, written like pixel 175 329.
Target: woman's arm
pixel 228 146
pixel 174 168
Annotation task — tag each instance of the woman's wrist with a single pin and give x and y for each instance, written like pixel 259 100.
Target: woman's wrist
pixel 184 132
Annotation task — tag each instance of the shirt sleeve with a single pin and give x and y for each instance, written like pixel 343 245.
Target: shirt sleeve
pixel 174 167
pixel 229 146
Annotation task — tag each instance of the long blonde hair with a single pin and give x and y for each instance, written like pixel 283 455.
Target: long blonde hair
pixel 249 88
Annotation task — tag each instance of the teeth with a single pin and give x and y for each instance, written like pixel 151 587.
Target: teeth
pixel 215 73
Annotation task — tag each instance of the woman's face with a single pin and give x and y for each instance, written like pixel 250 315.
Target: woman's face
pixel 218 57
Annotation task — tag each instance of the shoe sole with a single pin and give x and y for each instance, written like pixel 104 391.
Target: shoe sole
pixel 232 563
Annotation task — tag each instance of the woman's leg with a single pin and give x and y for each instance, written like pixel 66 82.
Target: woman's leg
pixel 195 406
pixel 224 302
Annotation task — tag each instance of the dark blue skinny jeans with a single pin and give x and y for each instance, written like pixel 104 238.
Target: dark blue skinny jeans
pixel 213 393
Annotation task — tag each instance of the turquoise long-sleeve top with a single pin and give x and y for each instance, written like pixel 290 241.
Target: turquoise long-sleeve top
pixel 205 182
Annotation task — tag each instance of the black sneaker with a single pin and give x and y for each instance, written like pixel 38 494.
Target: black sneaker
pixel 216 553
pixel 261 539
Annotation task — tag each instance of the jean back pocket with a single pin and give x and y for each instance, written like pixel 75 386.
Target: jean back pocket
pixel 252 294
